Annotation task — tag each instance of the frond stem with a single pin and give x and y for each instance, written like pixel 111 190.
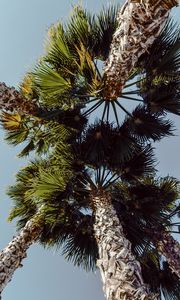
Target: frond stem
pixel 131 98
pixel 92 108
pixel 97 70
pixel 104 110
pixel 126 111
pixel 107 115
pixel 109 180
pixel 92 100
pixel 102 176
pixel 106 176
pixel 133 83
pixel 131 92
pixel 115 113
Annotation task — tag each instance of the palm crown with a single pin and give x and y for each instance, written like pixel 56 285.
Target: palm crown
pixel 69 80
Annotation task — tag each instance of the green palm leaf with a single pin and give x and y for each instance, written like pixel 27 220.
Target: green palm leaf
pixel 51 82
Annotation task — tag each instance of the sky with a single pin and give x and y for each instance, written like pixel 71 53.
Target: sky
pixel 45 274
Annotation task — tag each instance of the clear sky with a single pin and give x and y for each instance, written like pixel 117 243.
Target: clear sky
pixel 45 275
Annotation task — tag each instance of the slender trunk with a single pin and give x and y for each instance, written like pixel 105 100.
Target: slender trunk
pixel 12 101
pixel 12 256
pixel 168 247
pixel 139 24
pixel 120 272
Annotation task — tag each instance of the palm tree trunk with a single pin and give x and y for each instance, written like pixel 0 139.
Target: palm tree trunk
pixel 139 24
pixel 120 272
pixel 12 101
pixel 168 247
pixel 12 256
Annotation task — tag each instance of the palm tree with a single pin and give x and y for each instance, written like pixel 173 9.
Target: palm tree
pixel 37 216
pixel 15 252
pixel 139 24
pixel 11 100
pixel 157 86
pixel 84 81
pixel 69 82
pixel 63 222
pixel 19 191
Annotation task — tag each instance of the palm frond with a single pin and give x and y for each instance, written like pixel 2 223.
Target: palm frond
pixel 17 137
pixel 79 29
pixel 158 275
pixel 103 144
pixel 23 207
pixel 49 183
pixel 11 121
pixel 27 87
pixel 27 149
pixel 146 202
pixel 104 28
pixel 81 248
pixel 59 54
pixel 160 89
pixel 163 98
pixel 145 126
pixel 33 184
pixel 51 84
pixel 169 283
pixel 141 164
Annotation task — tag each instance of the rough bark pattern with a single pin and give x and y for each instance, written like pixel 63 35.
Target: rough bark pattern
pixel 169 248
pixel 12 256
pixel 139 24
pixel 12 101
pixel 120 272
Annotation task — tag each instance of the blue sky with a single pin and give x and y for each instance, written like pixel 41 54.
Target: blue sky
pixel 45 274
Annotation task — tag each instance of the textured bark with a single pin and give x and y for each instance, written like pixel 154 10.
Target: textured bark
pixel 12 256
pixel 120 272
pixel 169 248
pixel 12 101
pixel 139 24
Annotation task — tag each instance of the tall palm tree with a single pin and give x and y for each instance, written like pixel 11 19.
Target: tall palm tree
pixel 157 87
pixel 19 191
pixel 63 222
pixel 84 81
pixel 139 24
pixel 37 216
pixel 70 83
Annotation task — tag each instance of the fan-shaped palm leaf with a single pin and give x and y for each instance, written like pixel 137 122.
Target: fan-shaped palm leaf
pixel 145 126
